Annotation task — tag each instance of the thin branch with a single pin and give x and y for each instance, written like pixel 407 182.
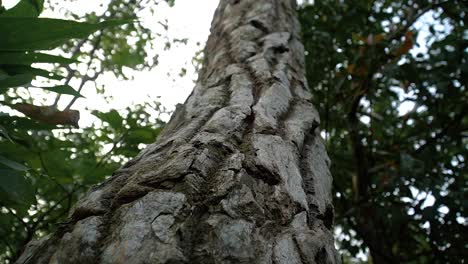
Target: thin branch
pixel 18 218
pixel 359 149
pixel 46 213
pixel 382 166
pixel 39 223
pixel 70 71
pixel 84 80
pixel 87 78
pixel 41 159
pixel 371 115
pixel 8 246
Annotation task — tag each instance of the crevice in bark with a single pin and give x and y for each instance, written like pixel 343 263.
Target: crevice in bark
pixel 258 24
pixel 285 116
pixel 298 249
pixel 260 172
pixel 327 217
pixel 82 214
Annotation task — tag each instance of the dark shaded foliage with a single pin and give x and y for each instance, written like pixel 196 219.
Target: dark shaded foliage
pixel 399 176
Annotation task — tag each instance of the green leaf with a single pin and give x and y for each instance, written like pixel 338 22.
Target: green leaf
pixel 3 74
pixel 141 135
pixel 25 58
pixel 13 164
pixel 23 69
pixel 410 166
pixel 23 123
pixel 62 89
pixel 25 8
pixel 39 5
pixel 112 117
pixel 170 2
pixel 15 81
pixel 5 134
pixel 15 189
pixel 59 167
pixel 45 33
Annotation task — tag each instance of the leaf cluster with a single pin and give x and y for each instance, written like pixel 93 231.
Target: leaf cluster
pixel 45 166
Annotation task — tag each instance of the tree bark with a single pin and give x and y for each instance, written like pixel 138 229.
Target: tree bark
pixel 239 175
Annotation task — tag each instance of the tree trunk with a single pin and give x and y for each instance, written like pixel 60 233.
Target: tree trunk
pixel 239 175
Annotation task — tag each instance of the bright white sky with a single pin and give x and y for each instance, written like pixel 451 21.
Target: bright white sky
pixel 184 22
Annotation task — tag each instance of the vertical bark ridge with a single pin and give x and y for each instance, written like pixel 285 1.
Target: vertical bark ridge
pixel 239 174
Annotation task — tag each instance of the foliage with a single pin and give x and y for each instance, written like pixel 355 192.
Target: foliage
pixel 394 117
pixel 45 165
pixel 23 34
pixel 63 164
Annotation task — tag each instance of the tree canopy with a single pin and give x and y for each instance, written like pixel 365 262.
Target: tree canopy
pixel 45 164
pixel 389 80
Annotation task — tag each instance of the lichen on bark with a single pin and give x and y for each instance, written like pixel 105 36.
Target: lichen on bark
pixel 240 173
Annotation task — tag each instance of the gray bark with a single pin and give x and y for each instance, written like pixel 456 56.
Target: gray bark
pixel 239 175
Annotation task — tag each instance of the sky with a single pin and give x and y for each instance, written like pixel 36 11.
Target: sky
pixel 183 23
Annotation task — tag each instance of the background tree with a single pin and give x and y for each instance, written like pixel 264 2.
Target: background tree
pixel 394 115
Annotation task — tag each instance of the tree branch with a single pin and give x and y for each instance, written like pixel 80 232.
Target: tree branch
pixel 70 71
pixel 27 227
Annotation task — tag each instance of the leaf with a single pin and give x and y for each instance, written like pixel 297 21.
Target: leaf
pixel 45 33
pixel 13 164
pixel 39 5
pixel 15 189
pixel 112 117
pixel 25 58
pixel 55 161
pixel 127 58
pixel 141 135
pixel 25 8
pixel 23 123
pixel 410 166
pixel 170 2
pixel 3 74
pixel 62 89
pixel 5 134
pixel 15 81
pixel 23 69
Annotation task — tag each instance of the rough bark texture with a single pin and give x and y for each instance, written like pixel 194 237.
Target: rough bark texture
pixel 239 175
